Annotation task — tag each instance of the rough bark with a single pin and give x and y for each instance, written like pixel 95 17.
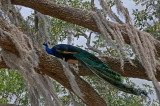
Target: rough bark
pixel 50 66
pixel 75 16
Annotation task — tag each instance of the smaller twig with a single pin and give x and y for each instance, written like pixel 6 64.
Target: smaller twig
pixel 73 99
pixel 88 42
pixel 109 12
pixel 36 21
pixel 92 5
pixel 121 9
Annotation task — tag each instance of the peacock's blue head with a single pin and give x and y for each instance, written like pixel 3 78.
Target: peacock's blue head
pixel 48 50
pixel 46 44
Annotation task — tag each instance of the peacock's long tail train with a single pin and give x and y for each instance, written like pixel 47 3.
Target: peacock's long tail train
pixel 115 79
pixel 120 85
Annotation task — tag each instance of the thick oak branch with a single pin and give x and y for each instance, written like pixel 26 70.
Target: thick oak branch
pixel 50 66
pixel 136 71
pixel 73 15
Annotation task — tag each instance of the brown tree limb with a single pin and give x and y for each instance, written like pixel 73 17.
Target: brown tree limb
pixel 50 66
pixel 61 12
pixel 75 16
pixel 136 71
pixel 130 71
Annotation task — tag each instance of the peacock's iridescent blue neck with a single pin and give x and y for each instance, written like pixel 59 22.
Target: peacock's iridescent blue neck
pixel 49 51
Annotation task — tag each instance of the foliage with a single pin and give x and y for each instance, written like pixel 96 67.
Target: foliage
pixel 12 88
pixel 148 19
pixel 81 4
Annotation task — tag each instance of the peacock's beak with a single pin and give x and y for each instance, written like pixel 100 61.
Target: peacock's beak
pixel 45 44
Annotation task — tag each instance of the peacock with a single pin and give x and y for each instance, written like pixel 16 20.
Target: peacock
pixel 94 64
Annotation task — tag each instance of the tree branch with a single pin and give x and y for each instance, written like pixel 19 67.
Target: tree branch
pixel 75 16
pixel 136 71
pixel 88 38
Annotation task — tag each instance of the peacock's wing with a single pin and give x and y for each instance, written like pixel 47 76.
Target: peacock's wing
pixel 69 49
pixel 97 64
pixel 100 67
pixel 66 51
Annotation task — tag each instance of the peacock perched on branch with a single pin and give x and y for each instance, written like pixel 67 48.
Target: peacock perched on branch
pixel 94 64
